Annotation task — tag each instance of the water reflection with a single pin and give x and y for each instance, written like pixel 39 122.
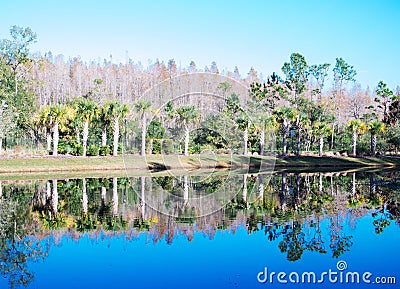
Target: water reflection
pixel 286 207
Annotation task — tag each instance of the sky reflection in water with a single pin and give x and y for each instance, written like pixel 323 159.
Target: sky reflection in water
pixel 224 258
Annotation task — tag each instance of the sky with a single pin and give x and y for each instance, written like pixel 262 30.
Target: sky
pixel 259 34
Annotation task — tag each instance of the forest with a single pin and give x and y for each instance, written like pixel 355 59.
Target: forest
pixel 52 105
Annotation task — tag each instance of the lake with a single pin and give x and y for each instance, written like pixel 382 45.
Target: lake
pixel 217 230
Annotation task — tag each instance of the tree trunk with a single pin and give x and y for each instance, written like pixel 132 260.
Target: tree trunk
pixel 320 183
pixel 115 196
pixel 262 142
pixel 282 197
pixel 245 140
pixel 298 142
pixel 48 139
pixel 116 136
pixel 1 191
pixel 16 82
pixel 261 188
pixel 104 136
pixel 354 140
pixel 321 146
pixel 185 190
pixel 84 197
pixel 126 140
pixel 85 137
pixel 284 142
pixel 143 197
pixel 373 144
pixel 372 184
pixel 187 141
pixel 48 190
pixel 54 197
pixel 143 135
pixel 56 138
pixel 297 197
pixel 1 144
pixel 244 192
pixel 151 146
pixel 103 195
pixel 333 133
pixel 78 135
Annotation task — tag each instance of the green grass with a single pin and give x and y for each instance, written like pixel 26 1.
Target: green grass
pixel 194 164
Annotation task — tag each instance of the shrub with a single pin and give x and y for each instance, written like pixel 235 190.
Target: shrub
pixel 93 150
pixel 104 150
pixel 77 148
pixel 156 147
pixel 167 147
pixel 64 147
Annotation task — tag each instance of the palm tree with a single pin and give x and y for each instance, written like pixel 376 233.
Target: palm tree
pixel 60 114
pixel 321 130
pixel 356 127
pixel 186 116
pixel 104 118
pixel 142 107
pixel 285 116
pixel 85 109
pixel 375 127
pixel 45 120
pixel 116 111
pixel 238 113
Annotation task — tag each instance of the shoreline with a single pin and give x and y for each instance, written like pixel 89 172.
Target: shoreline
pixel 159 163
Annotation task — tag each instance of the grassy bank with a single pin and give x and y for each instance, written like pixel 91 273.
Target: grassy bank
pixel 157 163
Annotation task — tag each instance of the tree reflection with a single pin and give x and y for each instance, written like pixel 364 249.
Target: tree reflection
pixel 317 243
pixel 293 242
pixel 18 246
pixel 289 208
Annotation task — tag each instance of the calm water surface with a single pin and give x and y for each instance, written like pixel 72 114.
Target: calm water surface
pixel 145 232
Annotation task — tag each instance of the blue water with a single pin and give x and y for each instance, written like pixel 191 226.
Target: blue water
pixel 79 255
pixel 229 260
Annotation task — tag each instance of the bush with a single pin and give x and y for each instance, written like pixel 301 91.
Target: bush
pixel 167 147
pixel 156 149
pixel 195 148
pixel 64 147
pixel 104 150
pixel 77 148
pixel 93 150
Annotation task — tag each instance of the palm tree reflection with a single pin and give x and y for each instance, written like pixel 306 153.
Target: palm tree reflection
pixel 290 208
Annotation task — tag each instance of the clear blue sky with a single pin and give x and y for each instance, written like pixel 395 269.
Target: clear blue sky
pixel 262 34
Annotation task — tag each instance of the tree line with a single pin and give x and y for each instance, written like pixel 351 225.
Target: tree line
pixel 93 108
